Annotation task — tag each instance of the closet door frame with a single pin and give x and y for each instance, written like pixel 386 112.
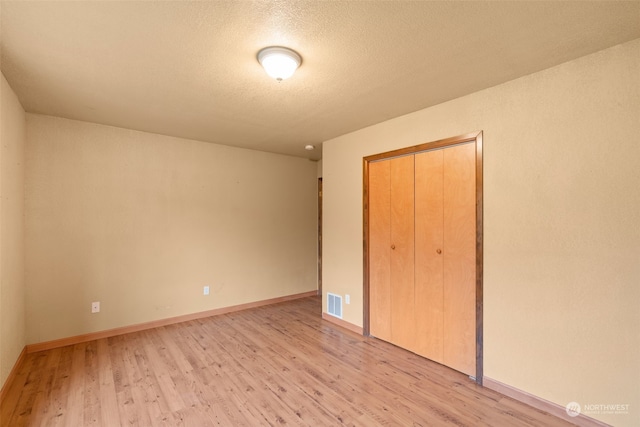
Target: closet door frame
pixel 475 137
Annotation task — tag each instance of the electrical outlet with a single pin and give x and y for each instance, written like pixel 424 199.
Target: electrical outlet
pixel 347 299
pixel 95 307
pixel 205 291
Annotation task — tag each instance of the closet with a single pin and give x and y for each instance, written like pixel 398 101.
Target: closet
pixel 421 251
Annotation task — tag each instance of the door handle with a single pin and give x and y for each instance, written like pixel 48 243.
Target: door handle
pixel 393 246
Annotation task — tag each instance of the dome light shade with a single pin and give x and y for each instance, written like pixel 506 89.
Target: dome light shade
pixel 279 62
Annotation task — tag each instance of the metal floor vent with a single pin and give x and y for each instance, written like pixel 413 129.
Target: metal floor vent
pixel 334 305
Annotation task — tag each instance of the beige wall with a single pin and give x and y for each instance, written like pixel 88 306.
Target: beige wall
pixel 561 230
pixel 12 283
pixel 141 222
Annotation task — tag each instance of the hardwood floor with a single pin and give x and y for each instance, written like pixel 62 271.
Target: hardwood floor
pixel 273 365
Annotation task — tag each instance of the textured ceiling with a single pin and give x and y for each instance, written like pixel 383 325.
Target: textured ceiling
pixel 189 69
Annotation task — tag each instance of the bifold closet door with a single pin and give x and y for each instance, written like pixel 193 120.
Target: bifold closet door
pixel 380 250
pixel 402 252
pixel 429 285
pixel 422 254
pixel 391 250
pixel 459 261
pixel 445 256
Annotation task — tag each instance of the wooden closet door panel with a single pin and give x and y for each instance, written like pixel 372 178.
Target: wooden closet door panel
pixel 402 252
pixel 429 291
pixel 459 258
pixel 380 250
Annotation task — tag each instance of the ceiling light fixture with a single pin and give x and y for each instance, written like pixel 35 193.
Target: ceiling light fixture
pixel 279 62
pixel 309 147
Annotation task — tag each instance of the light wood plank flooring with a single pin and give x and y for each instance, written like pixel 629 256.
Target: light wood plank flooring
pixel 275 365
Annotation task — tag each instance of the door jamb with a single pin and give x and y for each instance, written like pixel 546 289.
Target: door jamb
pixel 475 137
pixel 319 236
